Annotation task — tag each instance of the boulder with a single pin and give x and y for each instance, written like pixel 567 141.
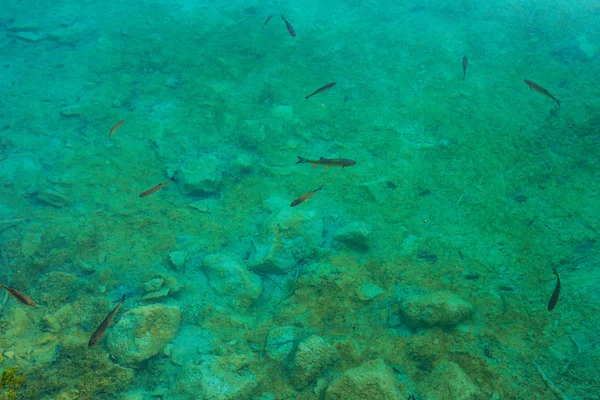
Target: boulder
pixel 142 332
pixel 312 356
pixel 373 380
pixel 449 381
pixel 231 279
pixel 355 235
pixel 443 309
pixel 203 176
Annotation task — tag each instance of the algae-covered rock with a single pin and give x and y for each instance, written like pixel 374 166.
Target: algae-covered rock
pixel 281 342
pixel 449 381
pixel 373 380
pixel 202 176
pixel 215 379
pixel 435 309
pixel 312 356
pixel 289 236
pixel 354 235
pixel 369 292
pixel 230 278
pixel 142 333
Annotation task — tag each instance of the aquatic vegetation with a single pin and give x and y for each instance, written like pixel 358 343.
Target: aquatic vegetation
pixel 9 382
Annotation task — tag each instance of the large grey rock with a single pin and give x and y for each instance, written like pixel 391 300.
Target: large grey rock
pixel 373 380
pixel 143 332
pixel 216 378
pixel 311 358
pixel 435 309
pixel 231 279
pixel 202 176
pixel 355 235
pixel 289 236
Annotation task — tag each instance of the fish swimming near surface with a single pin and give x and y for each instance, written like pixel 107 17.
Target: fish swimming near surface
pixel 327 162
pixel 21 297
pixel 556 293
pixel 267 20
pixel 157 187
pixel 105 324
pixel 289 26
pixel 115 128
pixel 538 88
pixel 321 89
pixel 465 65
pixel 305 197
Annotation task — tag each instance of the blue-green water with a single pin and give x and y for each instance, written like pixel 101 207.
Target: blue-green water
pixel 423 271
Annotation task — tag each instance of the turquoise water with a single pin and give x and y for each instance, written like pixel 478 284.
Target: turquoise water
pixel 424 271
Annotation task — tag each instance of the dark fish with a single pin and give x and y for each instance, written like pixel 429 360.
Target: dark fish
pixel 267 20
pixel 328 162
pixel 538 88
pixel 157 187
pixel 105 324
pixel 322 89
pixel 22 297
pixel 305 197
pixel 289 26
pixel 114 128
pixel 556 293
pixel 465 64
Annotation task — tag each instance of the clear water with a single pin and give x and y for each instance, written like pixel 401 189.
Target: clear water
pixel 424 271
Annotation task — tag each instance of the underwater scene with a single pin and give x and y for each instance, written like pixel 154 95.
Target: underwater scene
pixel 335 200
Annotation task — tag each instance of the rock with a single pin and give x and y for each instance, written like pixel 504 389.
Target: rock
pixel 435 309
pixel 157 294
pixel 312 356
pixel 53 198
pixel 449 381
pixel 281 342
pixel 230 278
pixel 287 237
pixel 373 380
pixel 354 235
pixel 202 177
pixel 215 378
pixel 27 36
pixel 142 332
pixel 369 292
pixel 153 284
pixel 191 345
pixel 178 259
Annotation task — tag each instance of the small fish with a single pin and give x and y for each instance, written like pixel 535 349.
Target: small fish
pixel 289 26
pixel 465 64
pixel 321 89
pixel 21 297
pixel 267 20
pixel 328 162
pixel 105 324
pixel 305 197
pixel 556 293
pixel 157 187
pixel 115 128
pixel 538 88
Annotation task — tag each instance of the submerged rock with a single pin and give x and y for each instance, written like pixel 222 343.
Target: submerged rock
pixel 355 235
pixel 230 278
pixel 143 332
pixel 435 309
pixel 313 355
pixel 449 381
pixel 288 237
pixel 373 380
pixel 202 177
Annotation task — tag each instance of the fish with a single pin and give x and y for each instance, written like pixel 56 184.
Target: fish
pixel 538 88
pixel 556 293
pixel 157 187
pixel 105 324
pixel 267 20
pixel 21 297
pixel 115 128
pixel 465 64
pixel 321 89
pixel 289 26
pixel 305 197
pixel 328 162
